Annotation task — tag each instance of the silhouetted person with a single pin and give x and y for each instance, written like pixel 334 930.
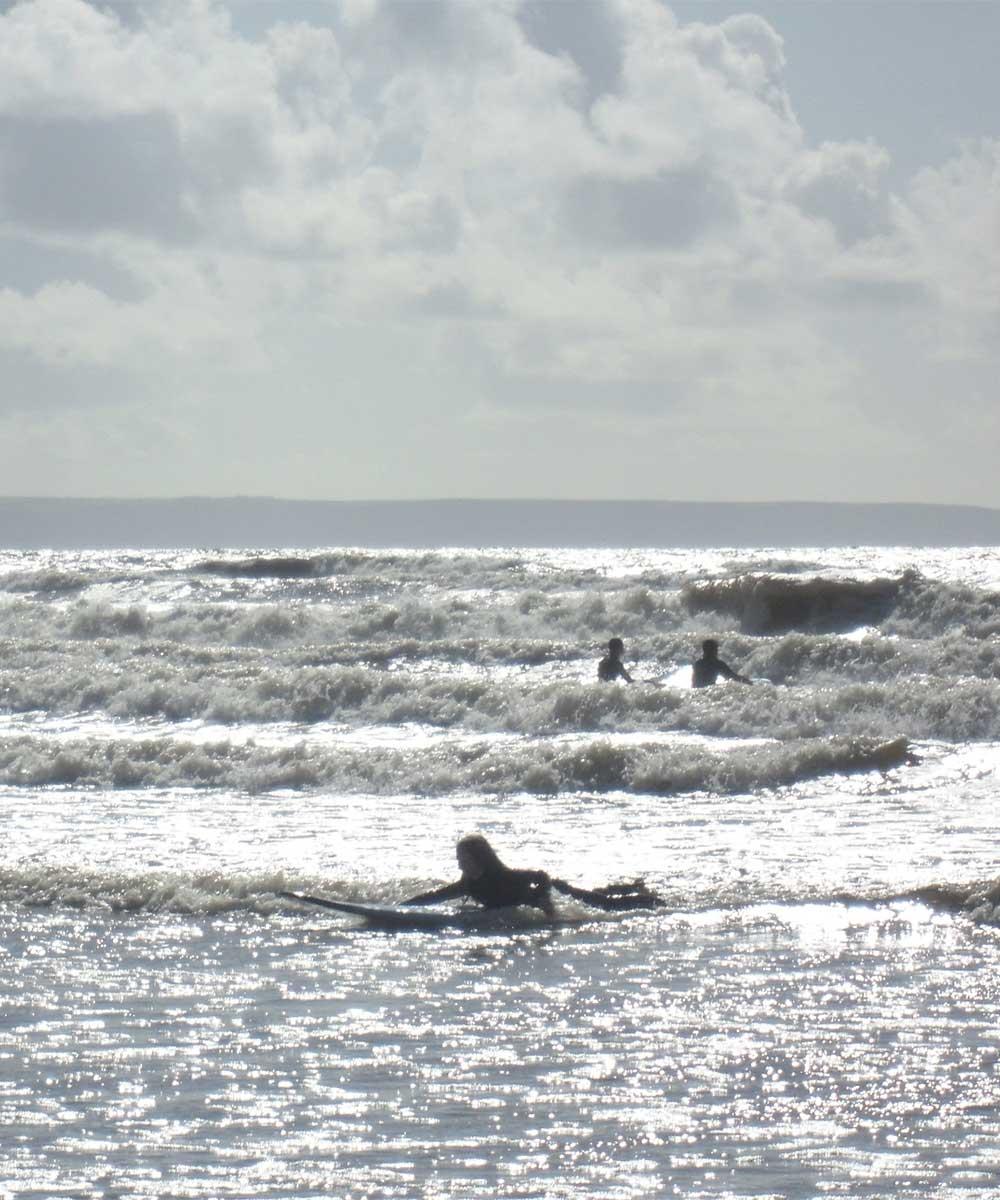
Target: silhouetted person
pixel 707 669
pixel 611 666
pixel 495 885
pixel 486 879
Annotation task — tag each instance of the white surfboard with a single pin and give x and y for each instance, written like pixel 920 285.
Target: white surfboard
pixel 405 916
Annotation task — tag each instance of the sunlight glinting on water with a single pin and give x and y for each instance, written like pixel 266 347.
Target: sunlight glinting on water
pixel 813 1012
pixel 723 1046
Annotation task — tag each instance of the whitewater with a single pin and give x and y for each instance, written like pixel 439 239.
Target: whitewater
pixel 184 734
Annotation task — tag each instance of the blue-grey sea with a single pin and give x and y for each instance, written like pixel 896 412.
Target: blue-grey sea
pixel 185 734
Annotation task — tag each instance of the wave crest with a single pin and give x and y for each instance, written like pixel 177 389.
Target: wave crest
pixel 769 604
pixel 980 900
pixel 544 768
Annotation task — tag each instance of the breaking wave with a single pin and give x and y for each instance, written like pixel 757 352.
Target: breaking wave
pixel 875 687
pixel 51 582
pixel 910 605
pixel 660 616
pixel 766 604
pixel 545 767
pixel 216 893
pixel 979 900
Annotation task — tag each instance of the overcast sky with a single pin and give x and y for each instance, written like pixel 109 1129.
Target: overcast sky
pixel 535 248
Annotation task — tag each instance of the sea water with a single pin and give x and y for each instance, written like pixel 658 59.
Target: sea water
pixel 183 735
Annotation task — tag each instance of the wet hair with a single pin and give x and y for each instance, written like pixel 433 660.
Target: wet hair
pixel 616 645
pixel 710 646
pixel 477 847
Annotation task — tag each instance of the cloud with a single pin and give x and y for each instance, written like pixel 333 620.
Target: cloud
pixel 477 211
pixel 27 264
pixel 949 224
pixel 843 184
pixel 592 36
pixel 672 208
pixel 57 172
pixel 38 386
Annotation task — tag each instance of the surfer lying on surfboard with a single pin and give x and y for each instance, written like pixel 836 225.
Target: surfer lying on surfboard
pixel 495 885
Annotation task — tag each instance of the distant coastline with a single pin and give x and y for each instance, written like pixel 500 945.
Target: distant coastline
pixel 258 522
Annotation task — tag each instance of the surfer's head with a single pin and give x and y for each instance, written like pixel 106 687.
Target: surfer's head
pixel 710 647
pixel 616 647
pixel 476 856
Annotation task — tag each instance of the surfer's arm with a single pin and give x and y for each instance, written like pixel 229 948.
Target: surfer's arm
pixel 613 896
pixel 729 673
pixel 450 891
pixel 540 892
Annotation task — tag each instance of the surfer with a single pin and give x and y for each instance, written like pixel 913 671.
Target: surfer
pixel 486 879
pixel 611 666
pixel 495 885
pixel 707 669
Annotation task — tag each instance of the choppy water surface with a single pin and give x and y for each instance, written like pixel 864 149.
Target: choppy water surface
pixel 184 735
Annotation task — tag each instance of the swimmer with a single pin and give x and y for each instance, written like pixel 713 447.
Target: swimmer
pixel 611 666
pixel 707 669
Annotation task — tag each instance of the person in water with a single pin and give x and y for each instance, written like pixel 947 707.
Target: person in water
pixel 611 666
pixel 707 669
pixel 486 879
pixel 495 885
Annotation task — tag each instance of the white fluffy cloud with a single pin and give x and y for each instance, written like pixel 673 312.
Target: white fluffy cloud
pixel 393 248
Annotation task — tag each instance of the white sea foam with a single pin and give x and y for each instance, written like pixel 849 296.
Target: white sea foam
pixel 201 893
pixel 542 766
pixel 877 686
pixel 183 736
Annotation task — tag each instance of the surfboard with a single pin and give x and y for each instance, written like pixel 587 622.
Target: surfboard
pixel 404 916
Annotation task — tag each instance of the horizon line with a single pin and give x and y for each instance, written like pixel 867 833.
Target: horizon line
pixel 385 500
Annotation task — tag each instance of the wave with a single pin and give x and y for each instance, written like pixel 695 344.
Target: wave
pixel 342 578
pixel 768 604
pixel 423 565
pixel 980 900
pixel 47 581
pixel 877 687
pixel 266 567
pixel 484 768
pixel 486 570
pixel 255 893
pixel 184 893
pixel 937 609
pixel 756 610
pixel 910 606
pixel 586 617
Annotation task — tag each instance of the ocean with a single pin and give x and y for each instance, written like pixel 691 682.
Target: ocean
pixel 185 734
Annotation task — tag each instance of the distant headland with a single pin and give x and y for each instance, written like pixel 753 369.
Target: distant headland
pixel 245 522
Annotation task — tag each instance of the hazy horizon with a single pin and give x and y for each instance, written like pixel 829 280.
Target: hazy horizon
pixel 262 523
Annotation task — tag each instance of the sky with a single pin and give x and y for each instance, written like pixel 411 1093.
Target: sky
pixel 356 249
